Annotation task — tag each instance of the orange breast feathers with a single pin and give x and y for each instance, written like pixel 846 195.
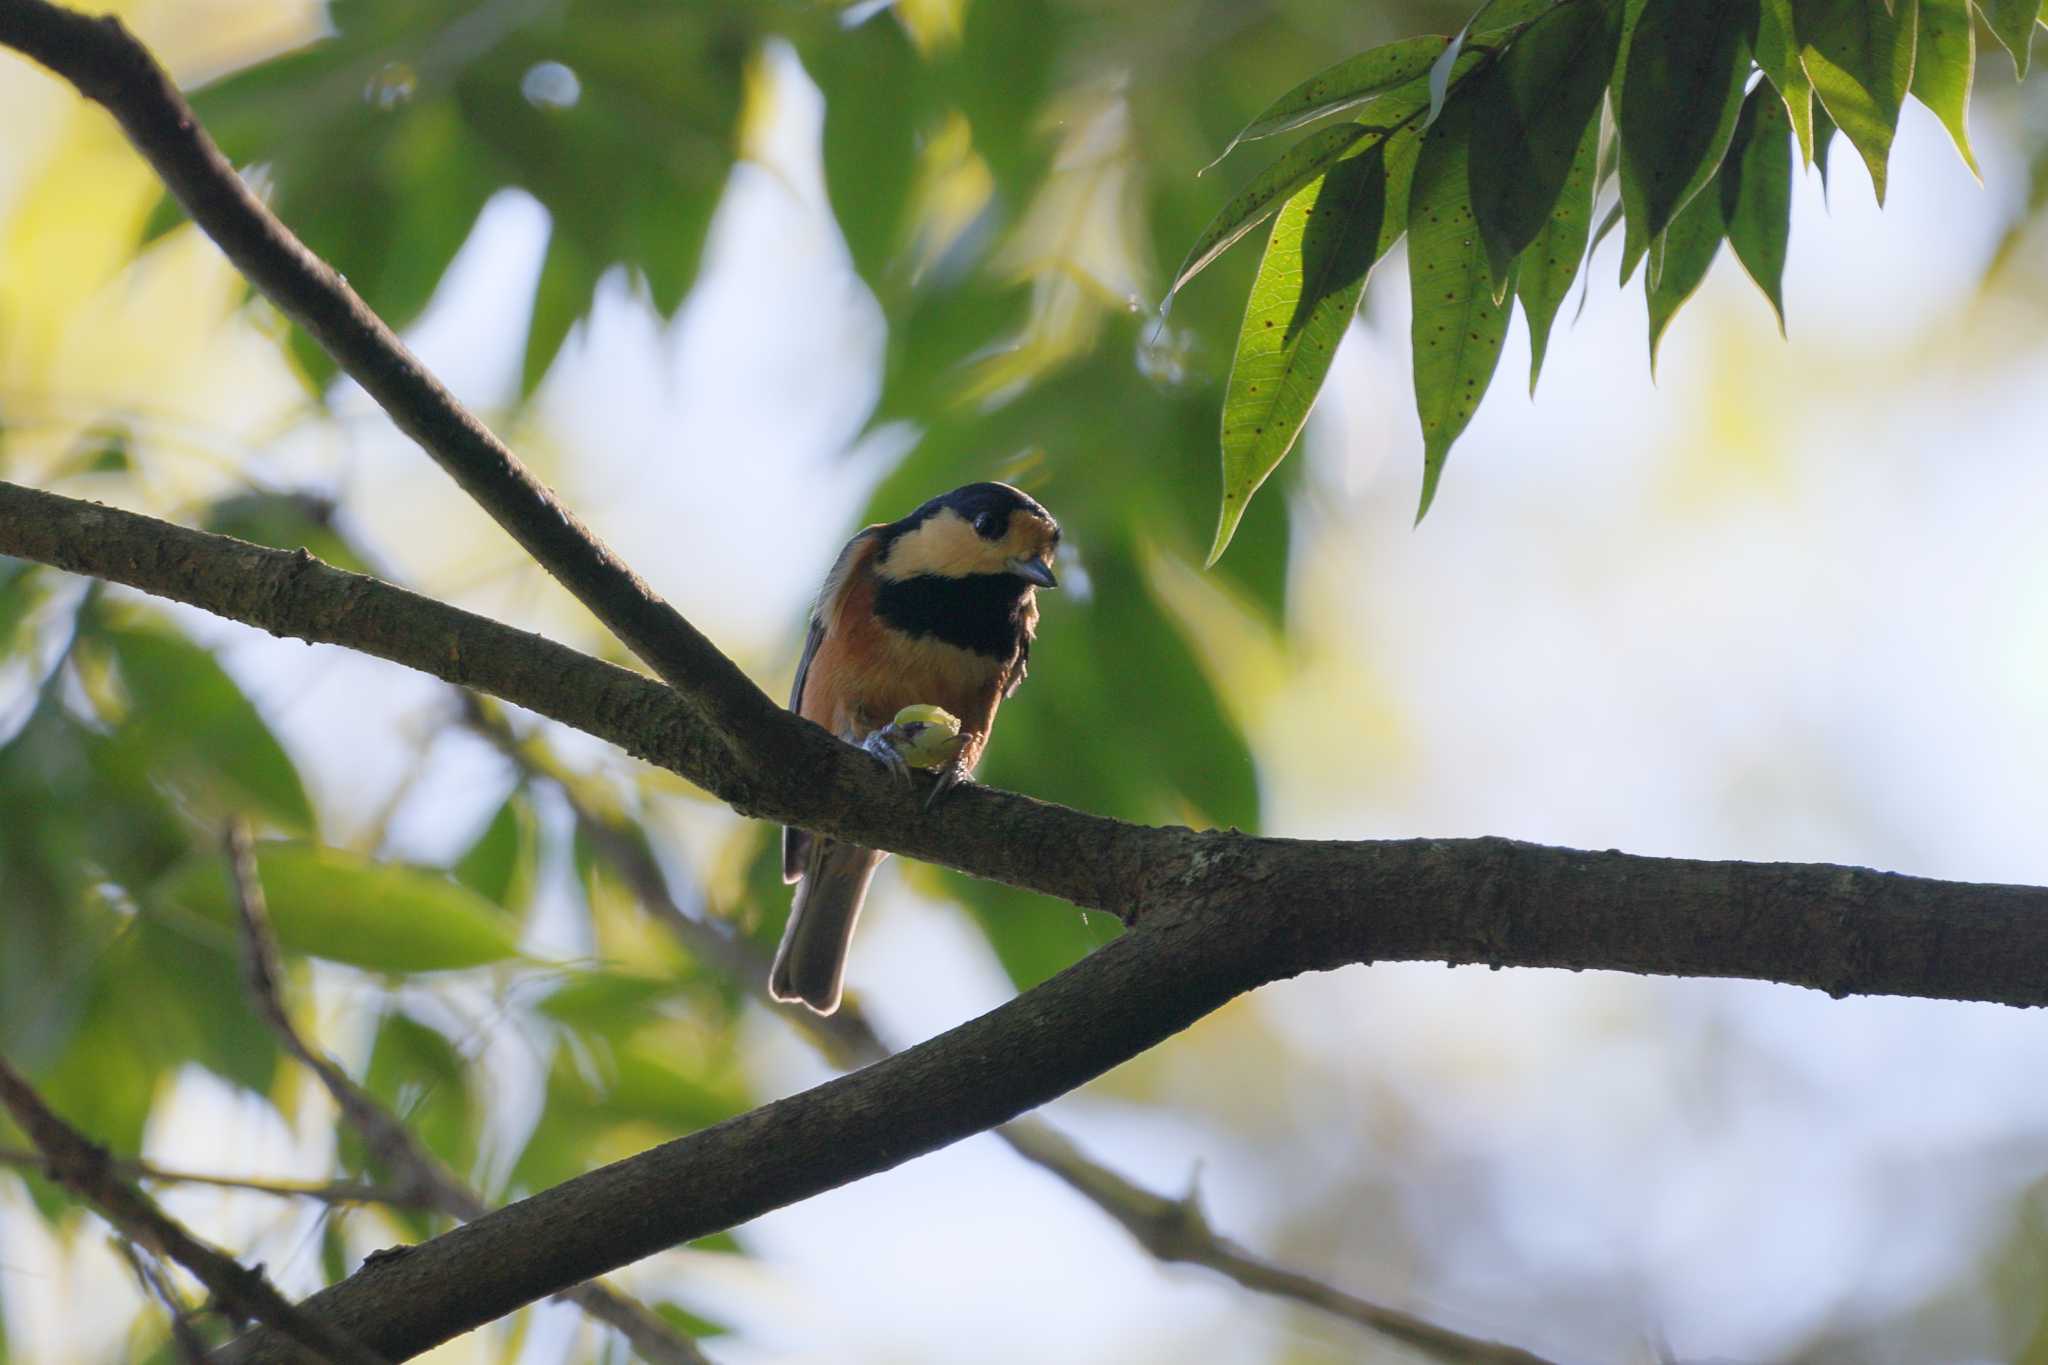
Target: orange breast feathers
pixel 864 673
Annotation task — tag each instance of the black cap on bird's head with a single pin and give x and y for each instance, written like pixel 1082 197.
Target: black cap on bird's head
pixel 979 528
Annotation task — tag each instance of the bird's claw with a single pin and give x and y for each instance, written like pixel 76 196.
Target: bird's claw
pixel 944 780
pixel 882 744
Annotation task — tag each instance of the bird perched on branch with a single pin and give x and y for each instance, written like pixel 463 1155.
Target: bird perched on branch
pixel 934 611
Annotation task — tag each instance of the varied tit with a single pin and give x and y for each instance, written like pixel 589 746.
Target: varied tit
pixel 938 608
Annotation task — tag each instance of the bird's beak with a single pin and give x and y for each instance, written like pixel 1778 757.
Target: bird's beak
pixel 1034 570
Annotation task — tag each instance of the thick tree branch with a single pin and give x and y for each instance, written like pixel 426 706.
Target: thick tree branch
pixel 1314 904
pixel 421 1175
pixel 81 1166
pixel 1172 1230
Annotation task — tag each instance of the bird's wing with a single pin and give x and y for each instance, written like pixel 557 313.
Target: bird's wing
pixel 796 842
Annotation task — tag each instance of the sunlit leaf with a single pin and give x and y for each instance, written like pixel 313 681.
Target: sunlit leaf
pixel 384 917
pixel 1535 108
pixel 189 724
pixel 1547 267
pixel 1345 86
pixel 2012 23
pixel 1323 245
pixel 1268 190
pixel 503 862
pixel 1680 260
pixel 1944 64
pixel 561 295
pixel 1756 193
pixel 1456 327
pixel 1860 60
pixel 1686 66
pixel 1777 53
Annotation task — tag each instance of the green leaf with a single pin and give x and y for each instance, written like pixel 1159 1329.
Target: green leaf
pixel 568 278
pixel 191 726
pixel 424 1081
pixel 286 521
pixel 2012 23
pixel 609 1002
pixel 1860 59
pixel 1944 64
pixel 1546 268
pixel 1777 52
pixel 501 866
pixel 1305 161
pixel 1680 260
pixel 1823 138
pixel 1345 86
pixel 1536 108
pixel 1681 90
pixel 1457 328
pixel 1756 193
pixel 878 100
pixel 382 917
pixel 1310 279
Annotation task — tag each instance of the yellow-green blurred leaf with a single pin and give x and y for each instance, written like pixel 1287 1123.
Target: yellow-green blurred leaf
pixel 383 917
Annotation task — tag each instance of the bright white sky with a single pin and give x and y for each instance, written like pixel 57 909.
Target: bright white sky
pixel 1790 603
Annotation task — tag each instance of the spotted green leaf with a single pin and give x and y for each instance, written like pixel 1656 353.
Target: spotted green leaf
pixel 1268 190
pixel 1324 243
pixel 1860 60
pixel 1682 87
pixel 1345 86
pixel 1535 108
pixel 1547 266
pixel 1944 63
pixel 1456 328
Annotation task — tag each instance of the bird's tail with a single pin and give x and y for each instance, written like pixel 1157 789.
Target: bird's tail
pixel 811 962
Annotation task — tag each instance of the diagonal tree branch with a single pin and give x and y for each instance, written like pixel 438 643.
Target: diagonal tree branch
pixel 423 1178
pixel 110 67
pixel 1171 1230
pixel 81 1166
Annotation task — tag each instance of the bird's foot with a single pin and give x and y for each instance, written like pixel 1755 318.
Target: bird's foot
pixel 887 744
pixel 946 778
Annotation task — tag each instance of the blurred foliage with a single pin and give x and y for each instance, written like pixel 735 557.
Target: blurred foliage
pixel 1009 177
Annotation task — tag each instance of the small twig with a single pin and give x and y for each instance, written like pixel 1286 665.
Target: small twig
pixel 422 1179
pixel 81 1166
pixel 324 1191
pixel 184 1339
pixel 1172 1230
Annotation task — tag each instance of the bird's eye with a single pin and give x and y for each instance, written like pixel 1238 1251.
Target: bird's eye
pixel 989 525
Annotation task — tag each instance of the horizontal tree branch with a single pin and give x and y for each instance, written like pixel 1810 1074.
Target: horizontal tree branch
pixel 1318 904
pixel 321 1191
